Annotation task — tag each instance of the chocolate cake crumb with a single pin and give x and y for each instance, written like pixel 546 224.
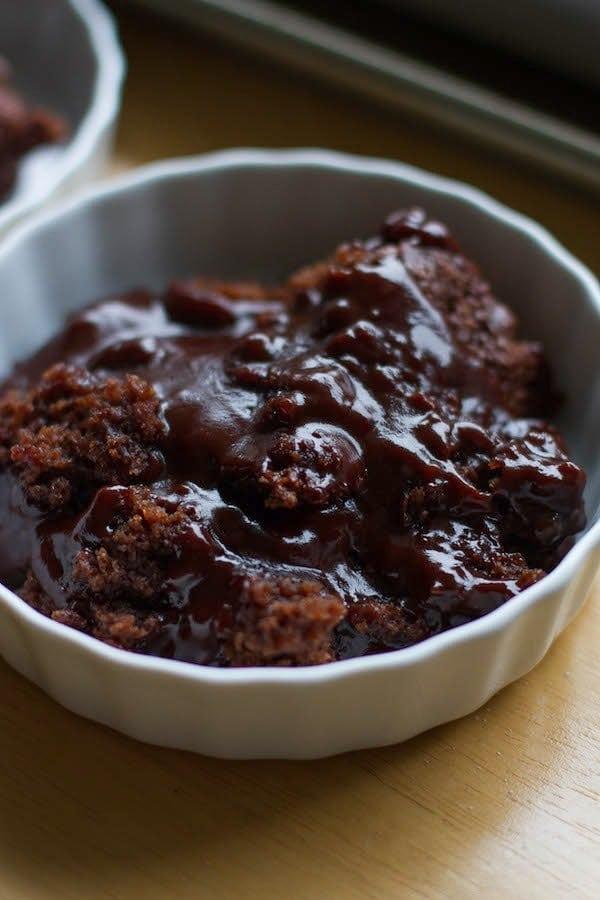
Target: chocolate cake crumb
pixel 121 628
pixel 385 624
pixel 116 626
pixel 14 411
pixel 282 622
pixel 296 471
pixel 32 593
pixel 135 535
pixel 75 432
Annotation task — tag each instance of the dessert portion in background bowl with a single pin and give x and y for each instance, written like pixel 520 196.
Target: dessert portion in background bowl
pixel 236 474
pixel 22 128
pixel 68 69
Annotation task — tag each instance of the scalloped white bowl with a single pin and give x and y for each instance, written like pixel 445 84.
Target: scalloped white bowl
pixel 65 56
pixel 256 213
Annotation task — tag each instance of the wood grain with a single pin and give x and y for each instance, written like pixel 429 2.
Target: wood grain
pixel 504 803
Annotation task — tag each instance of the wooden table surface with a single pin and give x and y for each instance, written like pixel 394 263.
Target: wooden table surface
pixel 504 803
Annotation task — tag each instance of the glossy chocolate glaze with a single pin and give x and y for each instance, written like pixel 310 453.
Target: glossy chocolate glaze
pixel 373 428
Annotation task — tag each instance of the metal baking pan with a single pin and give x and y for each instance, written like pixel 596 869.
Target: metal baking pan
pixel 348 55
pixel 562 34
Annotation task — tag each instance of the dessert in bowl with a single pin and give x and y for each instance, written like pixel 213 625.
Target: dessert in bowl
pixel 330 490
pixel 229 474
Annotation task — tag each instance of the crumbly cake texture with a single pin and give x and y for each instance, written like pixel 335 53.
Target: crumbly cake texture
pixel 239 475
pixel 22 127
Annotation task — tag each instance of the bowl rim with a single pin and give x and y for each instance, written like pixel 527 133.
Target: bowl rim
pixel 492 623
pixel 102 111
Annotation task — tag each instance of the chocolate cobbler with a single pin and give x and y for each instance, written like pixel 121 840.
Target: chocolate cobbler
pixel 240 475
pixel 21 129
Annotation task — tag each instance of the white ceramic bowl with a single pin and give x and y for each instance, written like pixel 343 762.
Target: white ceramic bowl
pixel 65 56
pixel 253 213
